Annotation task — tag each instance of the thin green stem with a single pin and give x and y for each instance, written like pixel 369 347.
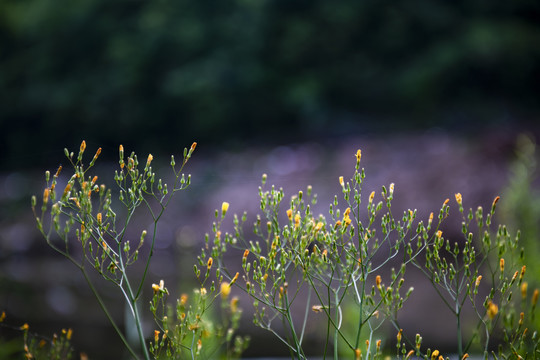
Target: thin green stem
pixel 107 314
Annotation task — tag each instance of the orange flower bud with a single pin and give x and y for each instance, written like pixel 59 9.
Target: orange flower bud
pixel 495 201
pixel 523 289
pixel 46 196
pixel 234 278
pixel 478 279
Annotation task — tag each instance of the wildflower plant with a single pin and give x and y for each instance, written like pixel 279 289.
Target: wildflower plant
pixel 36 346
pixel 458 269
pixel 189 330
pixel 84 210
pixel 333 259
pixel 358 255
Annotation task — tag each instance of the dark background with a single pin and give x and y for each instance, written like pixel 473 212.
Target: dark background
pixel 435 93
pixel 160 74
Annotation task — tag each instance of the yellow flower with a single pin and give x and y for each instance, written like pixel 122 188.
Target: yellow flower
pixel 398 336
pixel 296 220
pixel 435 354
pixel 234 304
pixel 459 199
pixel 492 310
pixel 209 264
pixel 357 352
pixel 346 218
pixel 83 146
pixel 534 297
pixel 439 234
pixel 160 287
pixel 478 279
pixel 225 290
pixel 289 214
pixel 501 264
pixel 149 160
pixel 371 196
pixel 378 281
pixel 224 208
pixel 183 299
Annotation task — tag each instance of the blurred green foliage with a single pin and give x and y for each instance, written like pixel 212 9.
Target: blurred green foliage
pixel 164 72
pixel 521 205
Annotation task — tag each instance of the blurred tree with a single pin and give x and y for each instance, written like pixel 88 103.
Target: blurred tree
pixel 165 72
